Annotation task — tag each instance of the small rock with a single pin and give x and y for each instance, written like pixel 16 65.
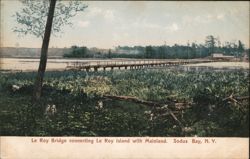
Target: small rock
pixel 15 88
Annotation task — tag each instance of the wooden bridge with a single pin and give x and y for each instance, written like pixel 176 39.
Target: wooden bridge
pixel 129 64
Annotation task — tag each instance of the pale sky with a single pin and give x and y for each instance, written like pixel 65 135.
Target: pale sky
pixel 112 23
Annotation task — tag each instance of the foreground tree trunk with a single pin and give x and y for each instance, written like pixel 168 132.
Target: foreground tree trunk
pixel 44 51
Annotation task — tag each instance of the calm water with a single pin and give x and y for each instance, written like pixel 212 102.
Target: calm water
pixel 27 64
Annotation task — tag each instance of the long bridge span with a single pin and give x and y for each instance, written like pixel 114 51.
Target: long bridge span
pixel 129 64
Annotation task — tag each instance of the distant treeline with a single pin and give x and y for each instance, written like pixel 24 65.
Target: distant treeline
pixel 31 52
pixel 189 51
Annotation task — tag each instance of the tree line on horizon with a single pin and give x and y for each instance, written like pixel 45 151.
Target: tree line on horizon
pixel 189 51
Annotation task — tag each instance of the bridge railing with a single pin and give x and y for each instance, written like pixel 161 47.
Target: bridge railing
pixel 107 63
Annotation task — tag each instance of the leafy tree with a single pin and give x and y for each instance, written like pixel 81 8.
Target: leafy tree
pixel 148 52
pixel 109 53
pixel 161 51
pixel 210 42
pixel 78 52
pixel 240 47
pixel 40 18
pixel 193 53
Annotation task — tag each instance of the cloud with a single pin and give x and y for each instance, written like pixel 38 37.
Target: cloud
pixel 152 26
pixel 95 11
pixel 120 36
pixel 98 12
pixel 142 23
pixel 83 24
pixel 109 15
pixel 203 18
pixel 220 16
pixel 172 28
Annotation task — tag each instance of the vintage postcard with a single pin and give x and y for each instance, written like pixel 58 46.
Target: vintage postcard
pixel 124 79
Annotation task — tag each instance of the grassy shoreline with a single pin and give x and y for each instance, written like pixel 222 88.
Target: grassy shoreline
pixel 82 110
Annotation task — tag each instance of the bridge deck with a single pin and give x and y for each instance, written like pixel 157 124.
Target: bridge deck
pixel 129 64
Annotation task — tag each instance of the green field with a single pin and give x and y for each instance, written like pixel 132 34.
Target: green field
pixel 153 102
